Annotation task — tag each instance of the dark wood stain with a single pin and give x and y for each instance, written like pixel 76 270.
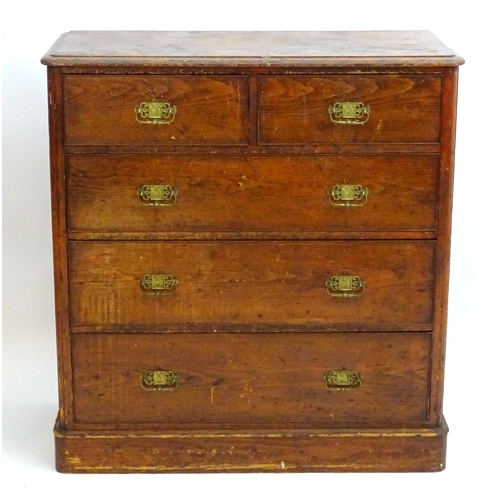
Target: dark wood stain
pixel 247 378
pixel 244 284
pixel 101 109
pixel 294 109
pixel 251 329
pixel 250 193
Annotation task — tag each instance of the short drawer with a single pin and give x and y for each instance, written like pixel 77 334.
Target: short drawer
pixel 349 109
pixel 251 286
pixel 243 378
pixel 142 110
pixel 145 193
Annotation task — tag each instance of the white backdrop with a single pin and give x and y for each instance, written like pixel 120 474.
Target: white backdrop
pixel 29 368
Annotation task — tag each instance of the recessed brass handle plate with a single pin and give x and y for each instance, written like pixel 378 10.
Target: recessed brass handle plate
pixel 345 286
pixel 348 195
pixel 159 380
pixel 157 284
pixel 155 113
pixel 349 113
pixel 158 195
pixel 342 380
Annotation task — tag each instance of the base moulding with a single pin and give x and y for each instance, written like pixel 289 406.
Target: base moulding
pixel 338 450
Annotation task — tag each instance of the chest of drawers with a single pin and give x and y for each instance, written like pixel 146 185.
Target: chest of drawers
pixel 251 247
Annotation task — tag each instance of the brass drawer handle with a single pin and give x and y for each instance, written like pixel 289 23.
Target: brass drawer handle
pixel 349 113
pixel 348 195
pixel 157 284
pixel 159 195
pixel 155 113
pixel 159 380
pixel 342 380
pixel 345 286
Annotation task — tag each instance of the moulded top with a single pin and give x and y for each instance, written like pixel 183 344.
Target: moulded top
pixel 250 48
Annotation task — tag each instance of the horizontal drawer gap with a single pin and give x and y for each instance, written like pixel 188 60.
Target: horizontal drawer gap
pixel 347 149
pixel 82 330
pixel 249 236
pixel 229 328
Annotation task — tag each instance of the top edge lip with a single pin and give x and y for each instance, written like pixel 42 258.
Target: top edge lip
pixel 235 61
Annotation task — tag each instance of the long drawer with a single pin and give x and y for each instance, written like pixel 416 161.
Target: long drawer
pixel 378 108
pixel 142 110
pixel 251 286
pixel 141 193
pixel 217 378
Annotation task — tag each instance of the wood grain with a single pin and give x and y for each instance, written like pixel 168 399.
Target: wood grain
pixel 59 246
pixel 278 149
pixel 247 284
pixel 294 109
pixel 249 235
pixel 344 450
pixel 252 238
pixel 247 48
pixel 249 378
pixel 210 110
pixel 251 193
pixel 443 243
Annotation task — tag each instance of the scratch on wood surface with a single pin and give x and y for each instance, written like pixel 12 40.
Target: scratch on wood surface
pixel 212 395
pixel 238 107
pixel 247 389
pixel 268 466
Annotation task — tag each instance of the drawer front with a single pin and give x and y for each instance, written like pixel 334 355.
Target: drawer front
pixel 251 193
pixel 217 378
pixel 349 109
pixel 251 286
pixel 185 110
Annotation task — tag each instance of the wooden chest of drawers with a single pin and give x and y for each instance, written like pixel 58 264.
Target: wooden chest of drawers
pixel 251 241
